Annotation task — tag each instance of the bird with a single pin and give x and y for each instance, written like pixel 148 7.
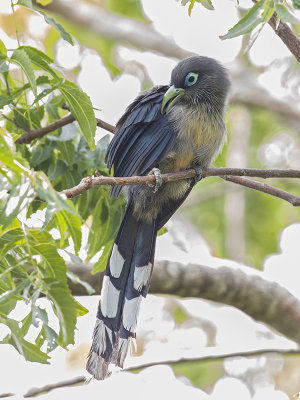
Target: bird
pixel 168 128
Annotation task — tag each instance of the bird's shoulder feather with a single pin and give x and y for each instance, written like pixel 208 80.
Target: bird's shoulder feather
pixel 143 137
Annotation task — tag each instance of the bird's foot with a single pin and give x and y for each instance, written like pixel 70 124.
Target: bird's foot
pixel 198 175
pixel 158 179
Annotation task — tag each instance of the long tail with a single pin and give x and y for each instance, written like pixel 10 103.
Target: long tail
pixel 126 280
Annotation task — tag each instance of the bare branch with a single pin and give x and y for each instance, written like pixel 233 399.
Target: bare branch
pixel 39 133
pixel 215 357
pixel 288 37
pixel 116 27
pixel 68 119
pixel 89 181
pixel 259 298
pixel 265 188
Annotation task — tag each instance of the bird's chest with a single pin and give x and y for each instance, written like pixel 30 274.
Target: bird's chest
pixel 200 137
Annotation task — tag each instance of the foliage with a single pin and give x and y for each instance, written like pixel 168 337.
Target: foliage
pixel 257 16
pixel 39 227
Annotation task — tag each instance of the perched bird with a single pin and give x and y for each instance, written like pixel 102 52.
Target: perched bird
pixel 165 129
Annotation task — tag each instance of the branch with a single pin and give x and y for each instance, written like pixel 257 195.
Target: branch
pixel 115 27
pixel 39 133
pixel 265 188
pixel 68 119
pixel 89 181
pixel 259 298
pixel 288 37
pixel 215 357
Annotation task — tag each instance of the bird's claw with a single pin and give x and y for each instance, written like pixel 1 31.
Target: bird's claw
pixel 158 179
pixel 198 175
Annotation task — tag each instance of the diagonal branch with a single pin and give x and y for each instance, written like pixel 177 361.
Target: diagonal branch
pixel 68 119
pixel 265 188
pixel 230 174
pixel 242 288
pixel 284 32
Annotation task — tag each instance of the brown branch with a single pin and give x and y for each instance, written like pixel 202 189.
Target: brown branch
pixel 39 133
pixel 89 182
pixel 215 357
pixel 284 32
pixel 68 119
pixel 261 299
pixel 265 188
pixel 35 391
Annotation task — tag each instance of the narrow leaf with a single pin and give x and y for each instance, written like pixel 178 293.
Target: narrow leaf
pixel 40 60
pixel 21 58
pixel 60 29
pixel 64 305
pixel 73 223
pixel 247 23
pixel 285 15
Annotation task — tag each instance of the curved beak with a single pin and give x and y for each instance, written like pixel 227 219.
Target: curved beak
pixel 171 97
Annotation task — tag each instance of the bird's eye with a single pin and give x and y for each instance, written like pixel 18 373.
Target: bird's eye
pixel 190 79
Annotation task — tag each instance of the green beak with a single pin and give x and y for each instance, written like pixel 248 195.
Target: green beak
pixel 172 95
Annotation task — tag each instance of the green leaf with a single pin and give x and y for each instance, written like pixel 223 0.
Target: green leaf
pixel 40 60
pixel 28 350
pixel 60 29
pixel 3 66
pixel 162 231
pixel 207 4
pixel 80 309
pixel 21 58
pixel 285 15
pixel 65 308
pixel 25 3
pixel 73 223
pixel 247 23
pixel 52 265
pixel 296 4
pixel 3 51
pixel 40 154
pixel 82 109
pixel 100 228
pixel 47 333
pixel 100 265
pixel 75 279
pixel 67 150
pixel 56 169
pixel 13 292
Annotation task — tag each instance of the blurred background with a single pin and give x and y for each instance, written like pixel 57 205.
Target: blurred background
pixel 125 46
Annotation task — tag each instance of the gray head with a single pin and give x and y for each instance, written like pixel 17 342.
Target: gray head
pixel 197 80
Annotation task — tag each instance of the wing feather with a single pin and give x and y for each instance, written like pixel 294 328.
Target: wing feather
pixel 144 136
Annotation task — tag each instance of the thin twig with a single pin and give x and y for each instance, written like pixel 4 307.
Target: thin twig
pixel 45 389
pixel 265 188
pixel 230 174
pixel 214 357
pixel 68 119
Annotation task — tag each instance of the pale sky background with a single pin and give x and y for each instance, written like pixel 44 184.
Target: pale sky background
pixel 200 34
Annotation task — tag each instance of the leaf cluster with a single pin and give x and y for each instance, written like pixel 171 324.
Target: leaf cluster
pixel 39 228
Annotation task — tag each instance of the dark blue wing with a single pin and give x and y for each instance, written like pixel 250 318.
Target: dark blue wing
pixel 143 138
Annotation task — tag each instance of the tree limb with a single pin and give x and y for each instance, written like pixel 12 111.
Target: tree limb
pixel 215 357
pixel 89 181
pixel 259 298
pixel 284 32
pixel 115 27
pixel 68 119
pixel 265 188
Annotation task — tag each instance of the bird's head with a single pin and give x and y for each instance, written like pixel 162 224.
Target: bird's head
pixel 197 80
